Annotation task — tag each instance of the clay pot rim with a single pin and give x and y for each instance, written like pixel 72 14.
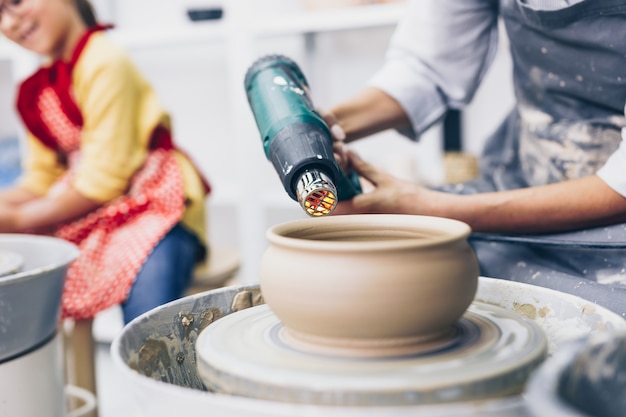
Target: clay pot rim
pixel 452 230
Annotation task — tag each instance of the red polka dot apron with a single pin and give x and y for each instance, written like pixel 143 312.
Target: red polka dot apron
pixel 115 239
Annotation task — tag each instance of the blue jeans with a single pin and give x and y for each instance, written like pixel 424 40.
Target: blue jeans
pixel 166 274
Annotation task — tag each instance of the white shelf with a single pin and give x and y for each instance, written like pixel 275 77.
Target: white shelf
pixel 347 18
pixel 188 34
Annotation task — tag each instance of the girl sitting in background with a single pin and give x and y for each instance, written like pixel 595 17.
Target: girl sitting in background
pixel 101 169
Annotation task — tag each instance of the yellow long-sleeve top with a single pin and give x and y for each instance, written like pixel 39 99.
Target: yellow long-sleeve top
pixel 120 112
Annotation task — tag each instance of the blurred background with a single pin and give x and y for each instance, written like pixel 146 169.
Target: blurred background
pixel 196 52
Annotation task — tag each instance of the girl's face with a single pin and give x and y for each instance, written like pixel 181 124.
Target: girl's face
pixel 46 27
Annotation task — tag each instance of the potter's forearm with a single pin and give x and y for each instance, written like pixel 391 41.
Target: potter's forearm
pixel 369 112
pixel 569 205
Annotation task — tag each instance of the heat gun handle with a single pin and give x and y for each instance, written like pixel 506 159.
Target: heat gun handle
pixel 295 137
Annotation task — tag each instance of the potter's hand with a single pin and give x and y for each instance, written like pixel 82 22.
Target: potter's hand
pixel 338 135
pixel 333 124
pixel 386 193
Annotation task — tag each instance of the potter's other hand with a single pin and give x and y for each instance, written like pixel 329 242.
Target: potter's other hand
pixel 387 194
pixel 340 151
pixel 338 136
pixel 333 124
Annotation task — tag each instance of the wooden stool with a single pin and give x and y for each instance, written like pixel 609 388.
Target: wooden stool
pixel 460 167
pixel 80 365
pixel 222 266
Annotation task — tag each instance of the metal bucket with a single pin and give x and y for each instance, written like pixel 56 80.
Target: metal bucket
pixel 586 378
pixel 30 300
pixel 33 386
pixel 156 353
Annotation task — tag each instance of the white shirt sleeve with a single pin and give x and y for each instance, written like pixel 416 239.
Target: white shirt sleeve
pixel 437 57
pixel 614 170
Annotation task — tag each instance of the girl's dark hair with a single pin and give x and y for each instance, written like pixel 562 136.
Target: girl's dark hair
pixel 87 12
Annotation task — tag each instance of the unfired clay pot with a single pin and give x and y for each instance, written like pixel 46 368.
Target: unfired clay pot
pixel 369 285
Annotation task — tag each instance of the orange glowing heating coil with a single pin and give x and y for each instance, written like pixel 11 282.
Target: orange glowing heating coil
pixel 320 203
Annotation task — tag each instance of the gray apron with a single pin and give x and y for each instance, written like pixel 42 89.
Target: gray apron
pixel 570 84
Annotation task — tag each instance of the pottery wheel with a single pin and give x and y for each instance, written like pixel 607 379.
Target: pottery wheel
pixel 492 354
pixel 10 262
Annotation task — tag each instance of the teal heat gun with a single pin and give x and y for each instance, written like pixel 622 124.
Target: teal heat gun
pixel 295 137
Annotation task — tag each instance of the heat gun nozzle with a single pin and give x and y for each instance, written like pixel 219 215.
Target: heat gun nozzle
pixel 316 193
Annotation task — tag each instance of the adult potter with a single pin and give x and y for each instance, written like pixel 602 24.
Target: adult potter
pixel 369 285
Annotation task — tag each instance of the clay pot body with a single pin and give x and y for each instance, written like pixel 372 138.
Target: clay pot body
pixel 362 282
